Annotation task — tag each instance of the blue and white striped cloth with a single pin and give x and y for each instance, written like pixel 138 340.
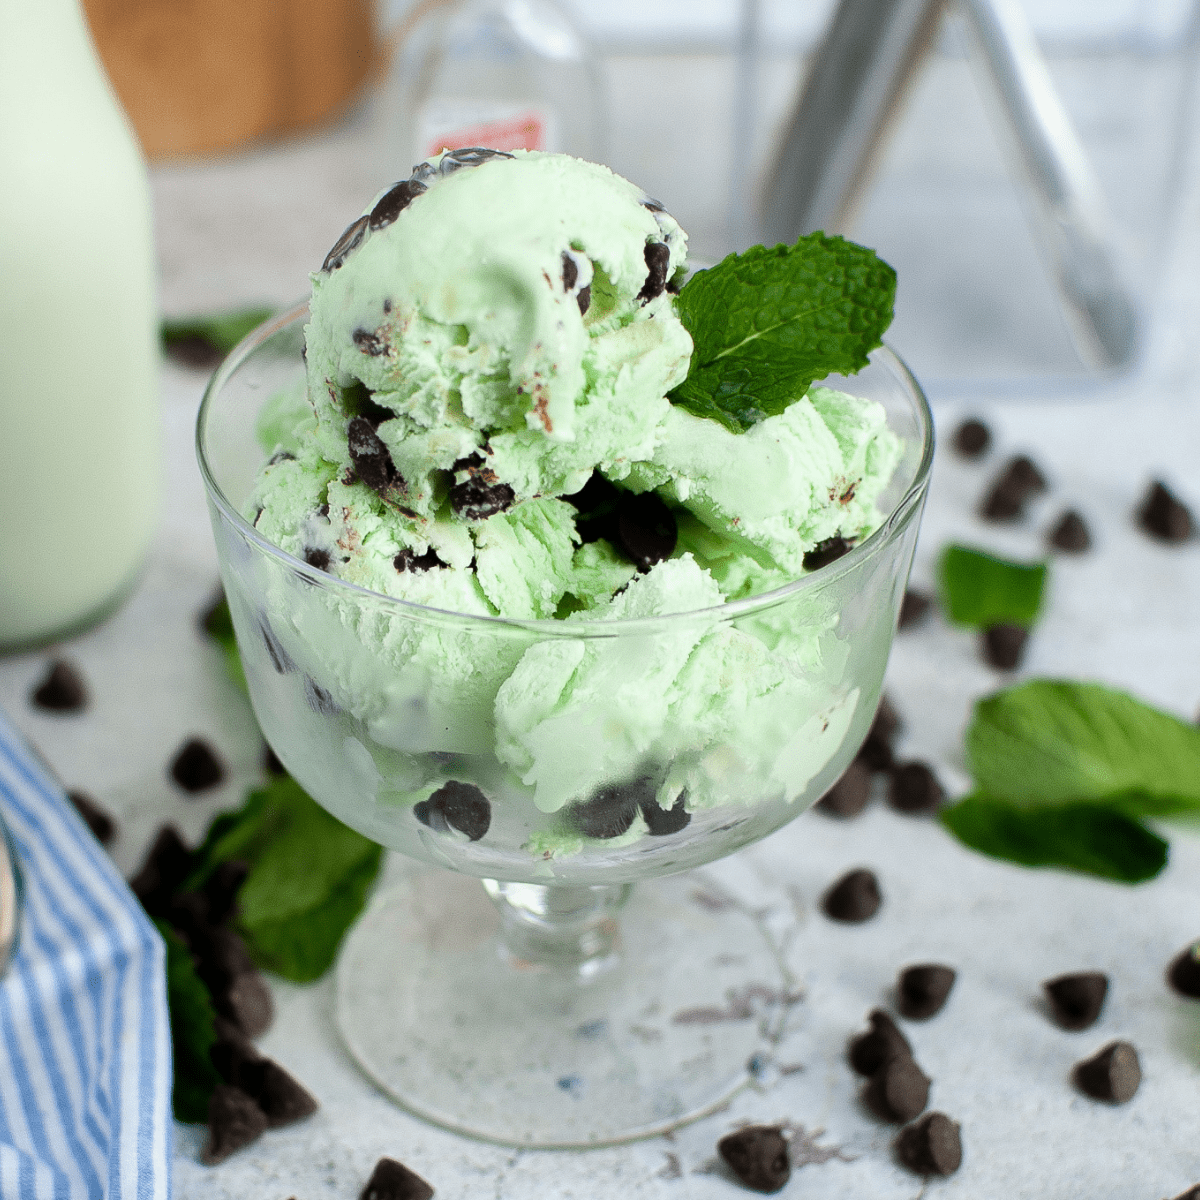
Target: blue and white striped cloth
pixel 85 1046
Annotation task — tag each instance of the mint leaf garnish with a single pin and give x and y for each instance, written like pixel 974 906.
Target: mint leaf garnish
pixel 1091 838
pixel 1056 741
pixel 979 590
pixel 192 1031
pixel 768 322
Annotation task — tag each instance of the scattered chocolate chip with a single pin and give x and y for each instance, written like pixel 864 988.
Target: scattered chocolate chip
pixel 658 263
pixel 280 659
pixel 1113 1073
pixel 221 889
pixel 1192 1193
pixel 1070 533
pixel 1019 480
pixel 1184 972
pixel 849 796
pixel 319 700
pixel 194 350
pixel 476 500
pixel 610 811
pixel 281 1097
pixel 853 898
pixel 1163 516
pixel 461 806
pixel 392 1180
pixel 883 1041
pixel 898 1091
pixel 931 1145
pixel 167 864
pixel 63 688
pixel 972 439
pixel 914 608
pixel 195 767
pixel 663 821
pixel 372 460
pixel 646 529
pixel 823 553
pixel 239 992
pixel 271 763
pixel 350 240
pixel 1076 1000
pixel 876 751
pixel 317 558
pixel 393 202
pixel 758 1156
pixel 103 827
pixel 584 299
pixel 247 1002
pixel 570 271
pixel 369 343
pixel 234 1121
pixel 1004 645
pixel 232 1052
pixel 406 560
pixel 914 788
pixel 214 618
pixel 921 990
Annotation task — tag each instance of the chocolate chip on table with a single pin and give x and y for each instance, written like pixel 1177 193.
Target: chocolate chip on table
pixel 972 439
pixel 476 499
pixel 663 821
pixel 350 240
pixel 1163 516
pixel 914 788
pixel 826 552
pixel 898 1090
pixel 883 1041
pixel 921 990
pixel 281 1097
pixel 758 1156
pixel 658 263
pixel 1076 999
pixel 853 898
pixel 103 827
pixel 392 1180
pixel 931 1145
pixel 850 794
pixel 393 202
pixel 1019 480
pixel 62 689
pixel 1192 1193
pixel 1113 1073
pixel 234 1121
pixel 1184 972
pixel 914 608
pixel 646 529
pixel 1003 645
pixel 460 806
pixel 232 1052
pixel 610 811
pixel 876 750
pixel 1070 534
pixel 167 864
pixel 196 767
pixel 373 461
pixel 271 763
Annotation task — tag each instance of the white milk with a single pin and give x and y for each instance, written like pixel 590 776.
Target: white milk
pixel 79 425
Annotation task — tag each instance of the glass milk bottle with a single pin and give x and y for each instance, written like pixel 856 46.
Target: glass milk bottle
pixel 79 426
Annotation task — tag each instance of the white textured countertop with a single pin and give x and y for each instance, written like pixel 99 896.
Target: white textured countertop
pixel 1127 613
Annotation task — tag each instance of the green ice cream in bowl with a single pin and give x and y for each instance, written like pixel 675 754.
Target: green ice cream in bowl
pixel 559 572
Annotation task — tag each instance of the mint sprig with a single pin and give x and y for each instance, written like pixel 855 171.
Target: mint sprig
pixel 767 323
pixel 193 1031
pixel 978 589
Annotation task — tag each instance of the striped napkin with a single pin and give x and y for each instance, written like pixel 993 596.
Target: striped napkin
pixel 85 1044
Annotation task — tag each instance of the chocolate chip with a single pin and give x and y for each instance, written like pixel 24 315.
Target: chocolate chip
pixel 646 529
pixel 319 700
pixel 350 240
pixel 359 401
pixel 853 898
pixel 194 350
pixel 282 1098
pixel 392 1180
pixel 280 456
pixel 221 889
pixel 406 560
pixel 663 821
pixel 758 1156
pixel 584 298
pixel 609 812
pixel 1192 1193
pixel 468 156
pixel 214 619
pixel 63 688
pixel 369 343
pixel 271 763
pixel 103 827
pixel 658 263
pixel 883 1041
pixel 232 1052
pixel 931 1145
pixel 247 1002
pixel 876 750
pixel 972 439
pixel 898 1091
pixel 1019 480
pixel 1113 1073
pixel 823 553
pixel 1004 645
pixel 394 201
pixel 914 788
pixel 596 504
pixel 317 558
pixel 652 204
pixel 234 1121
pixel 1070 533
pixel 372 460
pixel 921 990
pixel 914 608
pixel 1163 516
pixel 849 795
pixel 196 767
pixel 570 272
pixel 476 500
pixel 280 659
pixel 1076 1000
pixel 462 806
pixel 167 864
pixel 1184 972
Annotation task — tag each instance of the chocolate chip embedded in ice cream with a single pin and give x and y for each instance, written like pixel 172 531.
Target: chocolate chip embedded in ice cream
pixel 460 806
pixel 373 462
pixel 476 500
pixel 610 811
pixel 393 202
pixel 826 552
pixel 646 529
pixel 660 822
pixel 658 263
pixel 350 240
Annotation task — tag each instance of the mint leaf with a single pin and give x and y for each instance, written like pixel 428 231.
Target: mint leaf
pixel 1056 741
pixel 222 331
pixel 979 589
pixel 192 1031
pixel 768 322
pixel 1091 838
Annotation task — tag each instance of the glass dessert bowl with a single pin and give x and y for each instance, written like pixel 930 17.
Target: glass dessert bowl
pixel 557 761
